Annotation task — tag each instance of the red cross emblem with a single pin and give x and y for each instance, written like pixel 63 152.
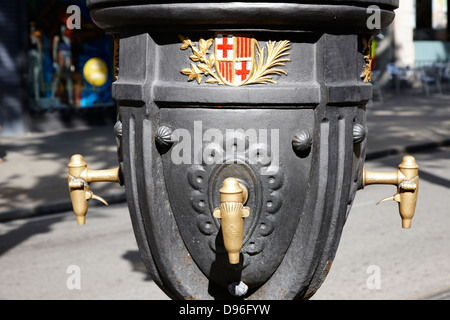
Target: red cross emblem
pixel 235 58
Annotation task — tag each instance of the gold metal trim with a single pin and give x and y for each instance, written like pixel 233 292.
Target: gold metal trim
pixel 263 68
pixel 367 51
pixel 406 178
pixel 232 212
pixel 78 181
pixel 116 55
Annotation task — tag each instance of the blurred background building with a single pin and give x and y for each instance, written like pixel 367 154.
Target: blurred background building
pixel 54 73
pixel 422 33
pixel 53 77
pixel 415 48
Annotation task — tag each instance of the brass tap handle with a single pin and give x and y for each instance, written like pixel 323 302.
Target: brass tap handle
pixel 232 212
pixel 78 181
pixel 406 178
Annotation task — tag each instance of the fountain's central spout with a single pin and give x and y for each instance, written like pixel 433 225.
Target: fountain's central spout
pixel 232 212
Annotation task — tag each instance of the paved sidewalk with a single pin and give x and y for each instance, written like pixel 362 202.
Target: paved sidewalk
pixel 33 175
pixel 408 123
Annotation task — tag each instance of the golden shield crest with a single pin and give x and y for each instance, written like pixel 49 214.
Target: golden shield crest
pixel 235 60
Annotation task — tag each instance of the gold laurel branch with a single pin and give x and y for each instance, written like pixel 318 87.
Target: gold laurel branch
pixel 205 64
pixel 116 56
pixel 193 73
pixel 366 75
pixel 275 53
pixel 264 70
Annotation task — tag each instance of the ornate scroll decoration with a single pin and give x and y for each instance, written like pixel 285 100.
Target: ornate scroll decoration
pixel 235 61
pixel 366 75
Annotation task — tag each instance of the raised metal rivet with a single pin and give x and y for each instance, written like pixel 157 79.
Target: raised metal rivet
pixel 163 136
pixel 359 133
pixel 118 129
pixel 301 143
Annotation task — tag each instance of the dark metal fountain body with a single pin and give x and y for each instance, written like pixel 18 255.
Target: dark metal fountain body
pixel 300 191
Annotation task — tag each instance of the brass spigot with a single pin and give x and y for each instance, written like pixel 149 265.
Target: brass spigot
pixel 79 178
pixel 406 178
pixel 232 212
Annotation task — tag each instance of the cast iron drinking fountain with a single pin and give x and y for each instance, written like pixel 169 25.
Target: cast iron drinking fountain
pixel 241 139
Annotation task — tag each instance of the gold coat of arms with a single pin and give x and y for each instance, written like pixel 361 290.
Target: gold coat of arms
pixel 235 60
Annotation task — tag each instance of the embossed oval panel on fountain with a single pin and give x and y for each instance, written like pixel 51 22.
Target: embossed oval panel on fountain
pixel 224 143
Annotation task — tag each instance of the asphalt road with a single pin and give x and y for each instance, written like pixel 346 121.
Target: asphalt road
pixel 51 257
pixel 410 263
